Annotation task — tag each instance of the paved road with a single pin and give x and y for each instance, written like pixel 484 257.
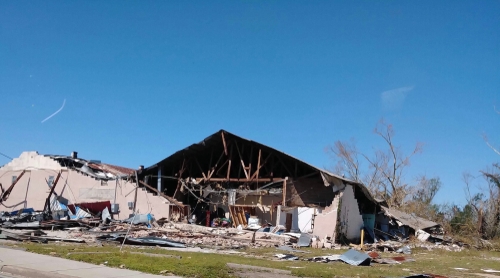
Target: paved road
pixel 36 263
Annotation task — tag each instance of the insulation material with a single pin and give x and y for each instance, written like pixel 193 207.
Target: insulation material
pixel 350 217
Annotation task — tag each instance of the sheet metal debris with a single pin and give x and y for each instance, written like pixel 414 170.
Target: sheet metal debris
pixel 304 240
pixel 354 257
pixel 288 257
pixel 150 241
pixel 491 270
pixel 405 250
pixel 325 259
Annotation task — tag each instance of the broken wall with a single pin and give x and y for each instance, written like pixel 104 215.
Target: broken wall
pixel 301 218
pixel 325 221
pixel 263 205
pixel 308 192
pixel 73 187
pixel 351 221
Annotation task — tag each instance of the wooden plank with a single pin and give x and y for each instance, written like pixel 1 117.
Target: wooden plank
pixel 284 166
pixel 210 163
pixel 201 170
pixel 224 143
pixel 170 199
pixel 181 171
pixel 283 203
pixel 229 163
pixel 232 217
pixel 250 162
pixel 136 189
pixel 47 201
pixel 241 217
pixel 256 174
pixel 211 173
pixel 221 167
pixel 7 192
pixel 242 163
pixel 258 166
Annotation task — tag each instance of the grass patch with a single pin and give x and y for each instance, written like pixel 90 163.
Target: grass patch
pixel 203 265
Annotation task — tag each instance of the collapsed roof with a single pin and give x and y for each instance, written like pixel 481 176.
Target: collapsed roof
pixel 231 160
pixel 412 221
pixel 93 168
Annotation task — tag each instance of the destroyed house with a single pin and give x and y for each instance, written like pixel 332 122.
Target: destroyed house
pixel 250 184
pixel 69 187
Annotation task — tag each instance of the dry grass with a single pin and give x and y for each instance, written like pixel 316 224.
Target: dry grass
pixel 214 265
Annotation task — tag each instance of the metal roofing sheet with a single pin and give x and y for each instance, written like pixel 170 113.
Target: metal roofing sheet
pixel 354 257
pixel 413 221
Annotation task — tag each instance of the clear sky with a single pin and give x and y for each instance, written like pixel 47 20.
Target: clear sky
pixel 142 79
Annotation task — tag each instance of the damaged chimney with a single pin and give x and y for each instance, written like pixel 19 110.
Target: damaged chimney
pixel 74 154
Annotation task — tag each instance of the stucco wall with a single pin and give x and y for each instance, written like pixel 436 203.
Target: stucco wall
pixel 350 217
pixel 32 190
pixel 301 218
pixel 325 221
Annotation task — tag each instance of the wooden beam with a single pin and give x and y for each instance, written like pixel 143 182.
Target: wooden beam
pixel 308 175
pixel 283 203
pixel 229 163
pixel 201 170
pixel 136 189
pixel 221 167
pixel 284 166
pixel 224 143
pixel 210 163
pixel 242 163
pixel 249 169
pixel 259 166
pixel 181 171
pixel 210 174
pixel 47 201
pixel 170 199
pixel 7 192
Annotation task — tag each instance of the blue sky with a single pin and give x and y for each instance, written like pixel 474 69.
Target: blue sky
pixel 143 79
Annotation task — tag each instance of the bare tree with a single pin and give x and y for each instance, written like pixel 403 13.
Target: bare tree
pixel 492 176
pixel 349 159
pixel 384 170
pixel 477 203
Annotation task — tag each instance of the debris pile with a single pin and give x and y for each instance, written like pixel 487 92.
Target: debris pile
pixel 144 229
pixel 140 229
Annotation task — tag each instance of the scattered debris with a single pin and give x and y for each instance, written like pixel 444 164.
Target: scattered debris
pixel 385 261
pixel 354 257
pixel 325 259
pixel 491 270
pixel 305 240
pixel 405 250
pixel 287 257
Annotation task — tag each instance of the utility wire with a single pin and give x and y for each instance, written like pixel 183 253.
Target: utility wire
pixel 6 156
